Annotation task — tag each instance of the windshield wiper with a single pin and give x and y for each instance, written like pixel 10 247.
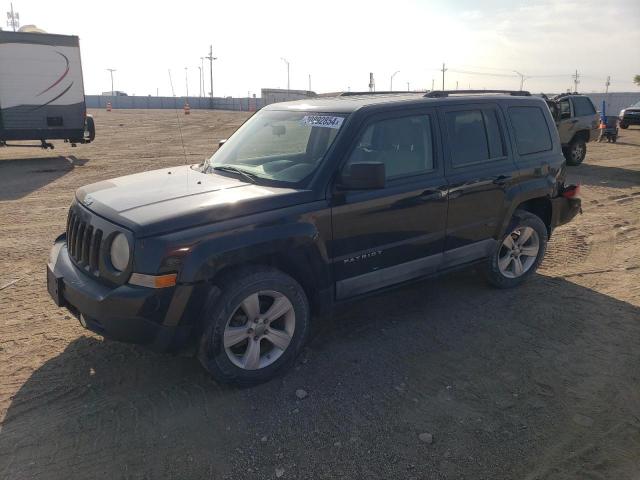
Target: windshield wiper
pixel 243 173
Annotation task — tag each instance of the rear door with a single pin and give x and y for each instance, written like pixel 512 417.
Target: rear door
pixel 385 236
pixel 481 175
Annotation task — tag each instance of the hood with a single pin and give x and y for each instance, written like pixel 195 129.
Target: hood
pixel 171 199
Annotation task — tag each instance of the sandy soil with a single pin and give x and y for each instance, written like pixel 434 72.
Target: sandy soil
pixel 541 382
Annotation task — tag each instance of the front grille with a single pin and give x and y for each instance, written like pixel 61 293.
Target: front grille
pixel 83 242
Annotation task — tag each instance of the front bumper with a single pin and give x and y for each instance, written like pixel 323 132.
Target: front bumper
pixel 127 313
pixel 564 209
pixel 630 120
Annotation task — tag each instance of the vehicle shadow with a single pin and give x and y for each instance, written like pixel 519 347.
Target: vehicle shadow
pixel 535 380
pixel 21 176
pixel 614 177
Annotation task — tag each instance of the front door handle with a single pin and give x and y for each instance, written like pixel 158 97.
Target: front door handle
pixel 501 180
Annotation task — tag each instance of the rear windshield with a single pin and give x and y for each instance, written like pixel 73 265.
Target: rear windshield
pixel 280 146
pixel 583 107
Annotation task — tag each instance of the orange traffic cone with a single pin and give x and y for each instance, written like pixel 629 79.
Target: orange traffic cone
pixel 187 109
pixel 108 106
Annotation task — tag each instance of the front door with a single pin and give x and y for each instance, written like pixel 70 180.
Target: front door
pixel 386 236
pixel 480 172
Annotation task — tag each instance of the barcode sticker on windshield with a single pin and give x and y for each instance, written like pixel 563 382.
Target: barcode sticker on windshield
pixel 325 121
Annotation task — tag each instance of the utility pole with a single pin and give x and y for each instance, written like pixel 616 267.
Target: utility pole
pixel 606 90
pixel 287 62
pixel 576 81
pixel 433 81
pixel 443 70
pixel 199 81
pixel 309 82
pixel 456 84
pixel 13 19
pixel 372 83
pixel 408 90
pixel 211 58
pixel 111 70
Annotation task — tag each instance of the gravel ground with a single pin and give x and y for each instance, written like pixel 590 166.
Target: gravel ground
pixel 446 378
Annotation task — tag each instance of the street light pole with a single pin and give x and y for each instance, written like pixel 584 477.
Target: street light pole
pixel 211 58
pixel 522 78
pixel 186 80
pixel 287 62
pixel 394 74
pixel 111 70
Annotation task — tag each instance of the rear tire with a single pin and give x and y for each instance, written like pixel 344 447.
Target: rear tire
pixel 255 328
pixel 519 251
pixel 576 152
pixel 624 126
pixel 90 129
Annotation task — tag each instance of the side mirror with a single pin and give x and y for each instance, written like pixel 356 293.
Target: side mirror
pixel 364 176
pixel 221 142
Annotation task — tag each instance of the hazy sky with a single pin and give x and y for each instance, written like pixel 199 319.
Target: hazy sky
pixel 340 42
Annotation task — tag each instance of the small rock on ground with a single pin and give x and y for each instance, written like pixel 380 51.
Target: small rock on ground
pixel 426 437
pixel 301 394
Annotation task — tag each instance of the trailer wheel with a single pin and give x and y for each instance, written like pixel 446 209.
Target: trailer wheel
pixel 89 129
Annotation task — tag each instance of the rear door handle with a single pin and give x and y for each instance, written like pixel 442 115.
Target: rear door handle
pixel 501 180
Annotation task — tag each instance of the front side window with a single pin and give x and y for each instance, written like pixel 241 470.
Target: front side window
pixel 474 136
pixel 278 146
pixel 404 145
pixel 531 130
pixel 583 107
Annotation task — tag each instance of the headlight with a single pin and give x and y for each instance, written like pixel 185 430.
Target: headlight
pixel 120 252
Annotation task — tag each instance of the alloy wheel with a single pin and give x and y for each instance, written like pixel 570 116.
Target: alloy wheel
pixel 259 330
pixel 518 252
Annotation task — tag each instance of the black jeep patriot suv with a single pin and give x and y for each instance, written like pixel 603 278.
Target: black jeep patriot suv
pixel 311 203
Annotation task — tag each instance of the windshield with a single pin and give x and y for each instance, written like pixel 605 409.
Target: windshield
pixel 636 105
pixel 281 146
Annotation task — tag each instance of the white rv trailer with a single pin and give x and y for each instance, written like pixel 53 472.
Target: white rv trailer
pixel 41 89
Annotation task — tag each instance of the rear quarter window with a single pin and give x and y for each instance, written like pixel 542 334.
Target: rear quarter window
pixel 530 129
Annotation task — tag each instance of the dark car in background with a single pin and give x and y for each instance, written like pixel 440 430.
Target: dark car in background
pixel 630 116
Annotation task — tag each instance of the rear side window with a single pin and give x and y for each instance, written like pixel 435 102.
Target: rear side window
pixel 404 145
pixel 531 130
pixel 583 107
pixel 474 136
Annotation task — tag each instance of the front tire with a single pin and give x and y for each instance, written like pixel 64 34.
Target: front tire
pixel 624 126
pixel 255 328
pixel 519 252
pixel 576 152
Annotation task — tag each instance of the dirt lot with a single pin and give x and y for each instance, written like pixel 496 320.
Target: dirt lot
pixel 541 382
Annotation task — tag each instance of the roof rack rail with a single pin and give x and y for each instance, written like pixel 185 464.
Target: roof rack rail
pixel 394 92
pixel 566 94
pixel 446 93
